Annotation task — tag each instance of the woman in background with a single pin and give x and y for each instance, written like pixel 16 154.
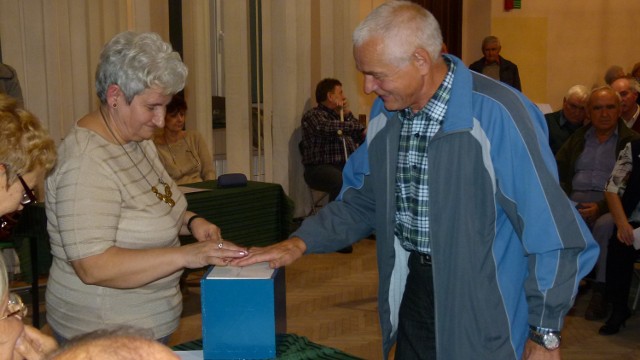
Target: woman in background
pixel 114 214
pixel 27 154
pixel 183 153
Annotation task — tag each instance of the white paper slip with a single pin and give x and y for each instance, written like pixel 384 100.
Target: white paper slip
pixel 187 190
pixel 255 271
pixel 636 238
pixel 190 355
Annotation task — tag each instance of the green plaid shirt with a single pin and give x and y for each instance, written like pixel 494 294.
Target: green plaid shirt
pixel 412 192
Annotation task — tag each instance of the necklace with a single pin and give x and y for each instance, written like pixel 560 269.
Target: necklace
pixel 186 144
pixel 166 197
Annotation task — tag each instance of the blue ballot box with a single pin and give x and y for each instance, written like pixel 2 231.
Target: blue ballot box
pixel 242 311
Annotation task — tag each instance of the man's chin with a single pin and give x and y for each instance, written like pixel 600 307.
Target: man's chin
pixel 390 105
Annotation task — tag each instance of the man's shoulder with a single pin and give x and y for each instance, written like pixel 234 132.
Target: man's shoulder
pixel 626 134
pixel 556 115
pixel 477 65
pixel 506 63
pixel 310 113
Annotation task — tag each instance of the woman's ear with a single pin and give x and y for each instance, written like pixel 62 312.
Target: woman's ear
pixel 113 95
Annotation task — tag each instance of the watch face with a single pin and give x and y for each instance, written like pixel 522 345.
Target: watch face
pixel 551 341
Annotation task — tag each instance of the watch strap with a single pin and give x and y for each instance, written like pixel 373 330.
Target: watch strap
pixel 541 336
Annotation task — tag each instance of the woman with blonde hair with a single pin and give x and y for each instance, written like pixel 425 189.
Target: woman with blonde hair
pixel 27 154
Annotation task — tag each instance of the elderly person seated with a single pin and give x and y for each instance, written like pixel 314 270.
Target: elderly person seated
pixel 114 214
pixel 183 153
pixel 118 343
pixel 27 154
pixel 570 118
pixel 585 162
pixel 623 197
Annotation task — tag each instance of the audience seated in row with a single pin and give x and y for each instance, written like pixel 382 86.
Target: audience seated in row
pixel 585 162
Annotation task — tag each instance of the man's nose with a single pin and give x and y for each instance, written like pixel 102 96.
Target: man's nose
pixel 369 84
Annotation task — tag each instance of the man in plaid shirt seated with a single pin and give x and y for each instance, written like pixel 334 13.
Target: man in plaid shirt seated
pixel 330 133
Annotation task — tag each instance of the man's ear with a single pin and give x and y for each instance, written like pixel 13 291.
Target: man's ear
pixel 329 97
pixel 422 59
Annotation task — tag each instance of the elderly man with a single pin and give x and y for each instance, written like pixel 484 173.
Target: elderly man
pixel 570 118
pixel 479 251
pixel 627 88
pixel 495 66
pixel 328 138
pixel 585 163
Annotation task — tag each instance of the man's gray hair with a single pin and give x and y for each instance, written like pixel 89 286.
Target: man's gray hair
pixel 605 88
pixel 136 62
pixel 490 40
pixel 404 27
pixel 579 91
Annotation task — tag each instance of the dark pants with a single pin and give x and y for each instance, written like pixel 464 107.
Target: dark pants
pixel 416 327
pixel 620 262
pixel 324 177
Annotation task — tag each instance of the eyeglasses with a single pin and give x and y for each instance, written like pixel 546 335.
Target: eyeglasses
pixel 29 197
pixel 575 107
pixel 15 307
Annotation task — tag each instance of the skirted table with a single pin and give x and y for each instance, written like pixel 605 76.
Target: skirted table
pixel 289 347
pixel 258 214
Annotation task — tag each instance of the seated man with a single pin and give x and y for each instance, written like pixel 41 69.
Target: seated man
pixel 570 118
pixel 623 197
pixel 627 88
pixel 118 343
pixel 585 162
pixel 495 66
pixel 330 133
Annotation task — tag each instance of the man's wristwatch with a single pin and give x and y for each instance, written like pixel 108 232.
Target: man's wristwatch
pixel 548 338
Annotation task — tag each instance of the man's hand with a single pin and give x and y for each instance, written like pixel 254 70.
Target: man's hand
pixel 589 211
pixel 278 255
pixel 533 351
pixel 625 233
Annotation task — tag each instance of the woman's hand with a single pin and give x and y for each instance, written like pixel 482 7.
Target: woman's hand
pixel 11 329
pixel 203 230
pixel 34 345
pixel 208 252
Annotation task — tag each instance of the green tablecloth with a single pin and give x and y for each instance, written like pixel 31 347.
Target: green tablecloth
pixel 258 214
pixel 289 347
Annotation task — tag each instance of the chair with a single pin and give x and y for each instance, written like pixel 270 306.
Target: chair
pixel 32 227
pixel 318 198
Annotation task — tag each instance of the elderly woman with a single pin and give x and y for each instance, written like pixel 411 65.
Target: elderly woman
pixel 27 153
pixel 114 213
pixel 183 153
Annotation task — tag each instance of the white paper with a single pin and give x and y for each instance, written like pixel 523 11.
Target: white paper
pixel 255 271
pixel 190 355
pixel 187 190
pixel 636 238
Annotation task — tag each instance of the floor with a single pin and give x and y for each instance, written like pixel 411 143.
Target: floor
pixel 331 299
